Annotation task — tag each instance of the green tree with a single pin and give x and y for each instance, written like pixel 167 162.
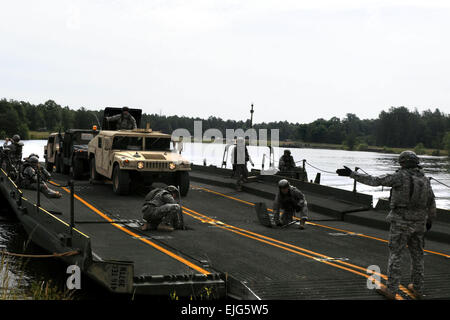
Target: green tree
pixel 446 142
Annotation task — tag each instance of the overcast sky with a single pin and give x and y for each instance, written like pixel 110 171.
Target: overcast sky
pixel 295 60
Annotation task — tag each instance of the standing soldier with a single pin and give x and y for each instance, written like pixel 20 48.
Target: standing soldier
pixel 240 157
pixel 161 211
pixel 290 200
pixel 413 209
pixel 29 178
pixel 124 121
pixel 13 149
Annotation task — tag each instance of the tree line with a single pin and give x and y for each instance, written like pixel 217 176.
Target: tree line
pixel 396 127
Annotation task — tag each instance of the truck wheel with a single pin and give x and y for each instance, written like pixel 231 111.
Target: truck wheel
pixel 121 181
pixel 94 176
pixel 182 180
pixel 58 161
pixel 49 166
pixel 77 169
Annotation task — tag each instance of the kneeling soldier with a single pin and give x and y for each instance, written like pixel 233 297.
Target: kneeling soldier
pixel 29 178
pixel 290 200
pixel 161 211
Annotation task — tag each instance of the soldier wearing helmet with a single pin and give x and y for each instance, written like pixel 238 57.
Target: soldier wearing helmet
pixel 124 121
pixel 413 209
pixel 161 210
pixel 14 149
pixel 286 163
pixel 29 177
pixel 240 157
pixel 290 200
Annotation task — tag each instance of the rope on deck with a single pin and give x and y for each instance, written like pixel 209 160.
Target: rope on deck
pixel 54 255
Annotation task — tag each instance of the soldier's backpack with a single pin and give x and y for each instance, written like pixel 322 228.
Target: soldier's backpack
pixel 419 191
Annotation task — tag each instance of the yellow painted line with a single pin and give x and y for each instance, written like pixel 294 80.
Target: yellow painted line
pixel 12 181
pixel 285 246
pixel 139 237
pixel 62 221
pixel 317 224
pixel 42 209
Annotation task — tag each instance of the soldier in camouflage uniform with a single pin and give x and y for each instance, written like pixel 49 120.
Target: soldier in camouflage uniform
pixel 13 150
pixel 240 157
pixel 29 178
pixel 286 162
pixel 161 211
pixel 413 209
pixel 290 200
pixel 124 121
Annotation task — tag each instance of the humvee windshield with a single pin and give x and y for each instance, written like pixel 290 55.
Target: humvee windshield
pixel 83 138
pixel 157 144
pixel 127 143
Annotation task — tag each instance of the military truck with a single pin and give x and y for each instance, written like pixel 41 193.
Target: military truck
pixel 52 151
pixel 132 157
pixel 74 153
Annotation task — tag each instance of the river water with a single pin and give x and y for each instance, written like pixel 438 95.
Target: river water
pixel 326 162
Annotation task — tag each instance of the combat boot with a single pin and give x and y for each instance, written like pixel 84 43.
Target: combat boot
pixel 384 291
pixel 164 227
pixel 416 293
pixel 302 224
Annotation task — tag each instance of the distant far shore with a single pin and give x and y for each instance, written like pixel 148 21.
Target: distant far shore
pixel 41 135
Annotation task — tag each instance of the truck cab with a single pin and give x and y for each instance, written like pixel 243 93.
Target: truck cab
pixel 75 151
pixel 52 151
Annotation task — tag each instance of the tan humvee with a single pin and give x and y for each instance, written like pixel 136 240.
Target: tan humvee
pixel 129 157
pixel 52 151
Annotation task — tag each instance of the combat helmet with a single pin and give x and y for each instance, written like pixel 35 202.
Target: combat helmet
pixel 172 189
pixel 287 152
pixel 283 183
pixel 33 160
pixel 16 138
pixel 408 159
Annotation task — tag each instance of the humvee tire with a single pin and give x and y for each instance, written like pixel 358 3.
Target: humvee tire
pixel 77 169
pixel 183 181
pixel 93 175
pixel 121 181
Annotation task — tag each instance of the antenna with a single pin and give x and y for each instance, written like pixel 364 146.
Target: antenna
pixel 251 116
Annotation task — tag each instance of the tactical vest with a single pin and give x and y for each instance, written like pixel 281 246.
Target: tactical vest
pixel 414 191
pixel 155 197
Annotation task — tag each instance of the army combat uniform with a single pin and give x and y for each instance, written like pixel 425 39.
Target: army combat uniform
pixel 29 180
pixel 12 155
pixel 286 163
pixel 412 204
pixel 292 202
pixel 123 122
pixel 161 208
pixel 240 157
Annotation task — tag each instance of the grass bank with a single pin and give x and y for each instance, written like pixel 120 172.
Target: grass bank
pixel 39 135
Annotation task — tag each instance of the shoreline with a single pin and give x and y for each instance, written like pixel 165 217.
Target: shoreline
pixel 37 135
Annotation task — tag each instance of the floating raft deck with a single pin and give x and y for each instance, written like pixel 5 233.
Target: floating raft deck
pixel 225 251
